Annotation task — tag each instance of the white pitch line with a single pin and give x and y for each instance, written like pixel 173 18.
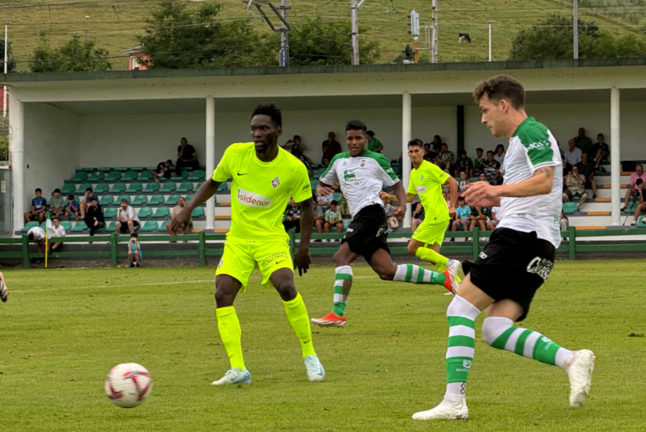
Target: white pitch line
pixel 114 286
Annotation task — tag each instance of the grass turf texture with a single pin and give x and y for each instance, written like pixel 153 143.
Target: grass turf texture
pixel 62 331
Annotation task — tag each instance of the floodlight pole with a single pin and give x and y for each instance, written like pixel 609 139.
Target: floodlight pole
pixel 434 36
pixel 284 42
pixel 354 7
pixel 6 50
pixel 490 40
pixel 575 23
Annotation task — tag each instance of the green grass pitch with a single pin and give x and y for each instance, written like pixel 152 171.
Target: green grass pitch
pixel 62 330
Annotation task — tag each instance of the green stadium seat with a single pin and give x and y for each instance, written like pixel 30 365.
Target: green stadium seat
pixel 167 187
pixel 313 183
pixel 189 198
pixel 134 188
pixel 87 170
pixel 113 176
pixel 185 187
pixel 82 187
pixel 197 212
pixel 29 226
pixel 146 175
pixel 183 174
pixel 110 212
pixel 110 226
pixel 67 189
pixel 151 187
pixel 337 196
pixel 130 175
pixel 79 227
pixel 156 200
pixel 145 212
pixel 196 175
pixel 106 200
pixel 79 176
pixel 172 200
pixel 118 188
pixel 120 197
pixel 632 205
pixel 67 225
pixel 161 213
pixel 105 169
pixel 140 200
pixel 102 188
pixel 149 226
pixel 222 188
pixel 96 177
pixel 569 207
pixel 138 169
pixel 44 225
pixel 122 169
pixel 641 222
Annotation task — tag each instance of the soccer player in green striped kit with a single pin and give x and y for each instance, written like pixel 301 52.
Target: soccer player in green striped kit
pixel 518 257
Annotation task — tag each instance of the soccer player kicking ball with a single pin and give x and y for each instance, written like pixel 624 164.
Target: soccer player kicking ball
pixel 264 178
pixel 361 174
pixel 518 257
pixel 426 180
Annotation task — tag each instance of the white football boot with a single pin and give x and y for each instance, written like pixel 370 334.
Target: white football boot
pixel 445 411
pixel 315 371
pixel 234 376
pixel 580 374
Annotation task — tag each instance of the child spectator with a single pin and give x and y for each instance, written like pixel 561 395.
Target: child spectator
pixel 482 177
pixel 162 170
pixel 462 184
pixel 641 197
pixel 477 162
pixel 393 222
pixel 56 231
pixel 57 204
pixel 477 217
pixel 134 251
pixel 600 150
pixel 632 184
pixel 72 208
pixel 292 216
pixel 87 199
pixel 38 206
pixel 462 213
pixel 333 218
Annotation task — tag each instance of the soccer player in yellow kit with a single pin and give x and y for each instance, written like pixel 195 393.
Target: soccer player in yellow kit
pixel 426 180
pixel 264 178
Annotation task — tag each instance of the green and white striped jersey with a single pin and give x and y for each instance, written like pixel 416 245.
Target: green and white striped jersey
pixel 532 147
pixel 361 178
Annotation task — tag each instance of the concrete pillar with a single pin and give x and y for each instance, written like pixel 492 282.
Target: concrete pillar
pixel 615 155
pixel 407 125
pixel 210 157
pixel 17 158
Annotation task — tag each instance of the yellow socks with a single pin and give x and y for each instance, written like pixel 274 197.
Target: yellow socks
pixel 430 255
pixel 231 335
pixel 300 321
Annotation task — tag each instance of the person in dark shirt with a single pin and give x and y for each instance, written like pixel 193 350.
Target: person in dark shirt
pixel 587 169
pixel 330 147
pixel 600 151
pixel 162 170
pixel 38 206
pixel 94 216
pixel 186 157
pixel 464 163
pixel 491 168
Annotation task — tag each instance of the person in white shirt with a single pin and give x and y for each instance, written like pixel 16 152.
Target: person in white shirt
pixel 127 219
pixel 499 154
pixel 573 154
pixel 56 231
pixel 37 236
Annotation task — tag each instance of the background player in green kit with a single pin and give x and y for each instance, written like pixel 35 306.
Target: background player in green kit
pixel 264 178
pixel 426 180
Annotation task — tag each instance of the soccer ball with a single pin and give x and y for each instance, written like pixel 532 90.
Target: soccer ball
pixel 128 385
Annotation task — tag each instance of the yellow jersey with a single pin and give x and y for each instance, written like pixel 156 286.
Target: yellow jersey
pixel 426 181
pixel 260 191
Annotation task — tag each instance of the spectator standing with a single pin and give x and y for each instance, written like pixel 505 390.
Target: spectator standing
pixel 641 197
pixel 499 155
pixel 127 219
pixel 462 213
pixel 587 169
pixel 134 251
pixel 162 170
pixel 478 161
pixel 600 150
pixel 181 203
pixel 333 218
pixel 57 231
pixel 72 208
pixel 575 183
pixel 573 154
pixel 86 200
pixel 37 236
pixel 583 142
pixel 491 168
pixel 447 158
pixel 464 163
pixel 94 216
pixel 632 184
pixel 373 143
pixel 38 207
pixel 186 157
pixel 330 148
pixel 57 204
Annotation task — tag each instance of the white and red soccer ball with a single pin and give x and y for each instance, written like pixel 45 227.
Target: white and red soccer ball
pixel 128 385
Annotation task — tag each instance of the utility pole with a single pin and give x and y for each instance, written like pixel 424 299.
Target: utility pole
pixel 575 22
pixel 6 51
pixel 354 7
pixel 490 40
pixel 434 36
pixel 414 30
pixel 283 28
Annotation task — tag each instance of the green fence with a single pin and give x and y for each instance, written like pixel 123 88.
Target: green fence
pixel 115 252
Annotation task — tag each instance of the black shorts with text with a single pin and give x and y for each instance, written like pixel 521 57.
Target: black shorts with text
pixel 368 232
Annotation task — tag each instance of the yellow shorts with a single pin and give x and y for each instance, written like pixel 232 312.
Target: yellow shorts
pixel 240 258
pixel 430 233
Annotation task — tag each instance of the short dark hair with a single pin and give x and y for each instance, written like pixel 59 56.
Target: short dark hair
pixel 462 152
pixel 489 151
pixel 70 197
pixel 134 235
pixel 479 148
pixel 639 181
pixel 461 198
pixel 55 218
pixel 501 87
pixel 600 135
pixel 39 190
pixel 371 133
pixel 269 110
pixel 30 236
pixel 500 146
pixel 57 190
pixel 89 189
pixel 94 199
pixel 333 202
pixel 356 125
pixel 170 161
pixel 416 142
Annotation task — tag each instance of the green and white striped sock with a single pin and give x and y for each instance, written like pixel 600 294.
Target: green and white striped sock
pixel 342 277
pixel 500 333
pixel 416 274
pixel 461 316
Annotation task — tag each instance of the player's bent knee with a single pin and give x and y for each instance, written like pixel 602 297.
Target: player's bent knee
pixel 493 327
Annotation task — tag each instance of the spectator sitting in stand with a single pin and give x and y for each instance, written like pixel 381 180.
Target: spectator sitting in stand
pixel 567 168
pixel 186 157
pixel 292 216
pixel 94 216
pixel 38 207
pixel 86 200
pixel 72 208
pixel 464 163
pixel 437 144
pixel 429 154
pixel 127 219
pixel 491 168
pixel 583 142
pixel 573 154
pixel 373 143
pixel 418 215
pixel 333 218
pixel 319 218
pixel 37 236
pixel 492 223
pixel 499 154
pixel 632 184
pixel 308 167
pixel 478 161
pixel 330 147
pixel 134 251
pixel 57 230
pixel 640 187
pixel 181 203
pixel 462 183
pixel 600 151
pixel 447 158
pixel 482 177
pixel 477 217
pixel 162 170
pixel 575 183
pixel 57 204
pixel 587 169
pixel 462 213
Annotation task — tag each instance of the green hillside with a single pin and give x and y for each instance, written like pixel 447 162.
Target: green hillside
pixel 115 23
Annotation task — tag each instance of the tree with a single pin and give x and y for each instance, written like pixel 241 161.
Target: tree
pixel 178 37
pixel 75 56
pixel 315 42
pixel 11 61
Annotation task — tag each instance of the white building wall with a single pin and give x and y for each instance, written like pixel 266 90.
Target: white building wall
pixel 51 149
